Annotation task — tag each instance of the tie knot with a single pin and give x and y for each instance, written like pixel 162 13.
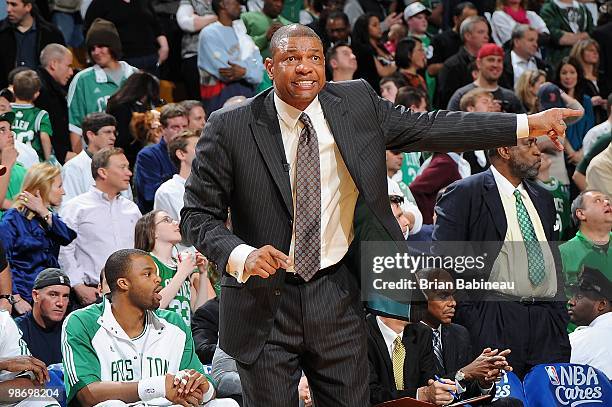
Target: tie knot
pixel 517 194
pixel 436 333
pixel 305 120
pixel 397 341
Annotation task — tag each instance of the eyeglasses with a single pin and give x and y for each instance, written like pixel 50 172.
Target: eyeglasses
pixel 166 219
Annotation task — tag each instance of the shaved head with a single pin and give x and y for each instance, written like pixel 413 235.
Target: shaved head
pixel 281 35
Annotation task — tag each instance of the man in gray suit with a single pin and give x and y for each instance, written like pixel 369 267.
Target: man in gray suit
pixel 297 166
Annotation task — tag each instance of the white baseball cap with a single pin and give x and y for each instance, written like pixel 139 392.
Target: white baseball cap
pixel 413 9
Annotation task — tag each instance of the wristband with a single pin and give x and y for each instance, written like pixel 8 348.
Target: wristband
pixel 152 388
pixel 208 396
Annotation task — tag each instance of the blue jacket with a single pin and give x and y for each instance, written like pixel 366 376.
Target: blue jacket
pixel 153 167
pixel 31 246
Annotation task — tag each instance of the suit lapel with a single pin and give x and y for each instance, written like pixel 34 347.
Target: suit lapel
pixel 335 110
pixel 267 134
pixel 494 204
pixel 381 346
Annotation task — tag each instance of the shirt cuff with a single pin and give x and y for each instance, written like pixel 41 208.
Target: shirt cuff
pixel 485 391
pixel 237 258
pixel 75 129
pixel 210 393
pixel 460 388
pixel 522 126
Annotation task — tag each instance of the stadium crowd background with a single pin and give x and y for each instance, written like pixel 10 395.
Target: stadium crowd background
pixel 102 103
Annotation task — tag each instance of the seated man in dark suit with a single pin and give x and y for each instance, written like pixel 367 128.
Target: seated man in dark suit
pixel 402 362
pixel 205 329
pixel 451 342
pixel 525 308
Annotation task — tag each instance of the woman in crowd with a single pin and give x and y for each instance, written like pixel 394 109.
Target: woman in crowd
pixel 570 78
pixel 184 277
pixel 32 233
pixel 373 59
pixel 138 94
pixel 512 12
pixel 586 52
pixel 192 16
pixel 410 59
pixel 527 89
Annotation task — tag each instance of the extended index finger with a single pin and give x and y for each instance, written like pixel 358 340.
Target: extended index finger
pixel 571 112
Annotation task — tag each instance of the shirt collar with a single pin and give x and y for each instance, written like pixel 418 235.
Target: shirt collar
pixel 101 76
pixel 586 241
pixel 290 115
pixel 102 195
pixel 29 30
pixel 517 59
pixel 388 334
pixel 107 321
pixel 505 187
pixel 178 179
pixel 602 320
pixel 439 328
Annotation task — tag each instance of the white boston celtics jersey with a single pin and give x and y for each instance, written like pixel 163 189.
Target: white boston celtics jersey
pixel 96 348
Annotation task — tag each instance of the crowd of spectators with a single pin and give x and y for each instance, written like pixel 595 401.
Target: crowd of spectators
pixel 102 103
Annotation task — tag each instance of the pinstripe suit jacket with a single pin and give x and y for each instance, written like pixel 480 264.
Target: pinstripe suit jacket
pixel 240 164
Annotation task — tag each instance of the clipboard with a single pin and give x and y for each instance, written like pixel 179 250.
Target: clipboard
pixel 470 400
pixel 405 402
pixel 410 402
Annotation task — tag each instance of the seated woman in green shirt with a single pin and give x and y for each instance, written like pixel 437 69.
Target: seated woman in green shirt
pixel 183 274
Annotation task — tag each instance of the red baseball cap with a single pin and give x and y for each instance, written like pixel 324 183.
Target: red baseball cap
pixel 490 49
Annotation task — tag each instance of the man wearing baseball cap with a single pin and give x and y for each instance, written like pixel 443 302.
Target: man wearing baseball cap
pixel 11 171
pixel 490 64
pixel 591 309
pixel 42 327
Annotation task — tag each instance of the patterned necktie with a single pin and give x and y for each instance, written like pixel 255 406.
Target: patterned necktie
pixel 307 203
pixel 535 258
pixel 437 347
pixel 398 356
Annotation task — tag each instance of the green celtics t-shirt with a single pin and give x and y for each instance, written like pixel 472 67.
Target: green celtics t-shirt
pixel 181 304
pixel 29 122
pixel 410 167
pixel 560 195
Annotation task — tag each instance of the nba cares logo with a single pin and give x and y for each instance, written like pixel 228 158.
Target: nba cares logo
pixel 575 385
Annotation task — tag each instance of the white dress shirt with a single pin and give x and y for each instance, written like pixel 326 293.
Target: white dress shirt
pixel 591 344
pixel 511 264
pixel 338 192
pixel 169 196
pixel 520 65
pixel 78 179
pixel 388 335
pixel 103 226
pixel 339 195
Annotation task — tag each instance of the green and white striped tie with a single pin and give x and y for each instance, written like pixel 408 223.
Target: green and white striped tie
pixel 535 258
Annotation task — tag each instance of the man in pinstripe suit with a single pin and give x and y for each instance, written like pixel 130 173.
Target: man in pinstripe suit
pixel 293 208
